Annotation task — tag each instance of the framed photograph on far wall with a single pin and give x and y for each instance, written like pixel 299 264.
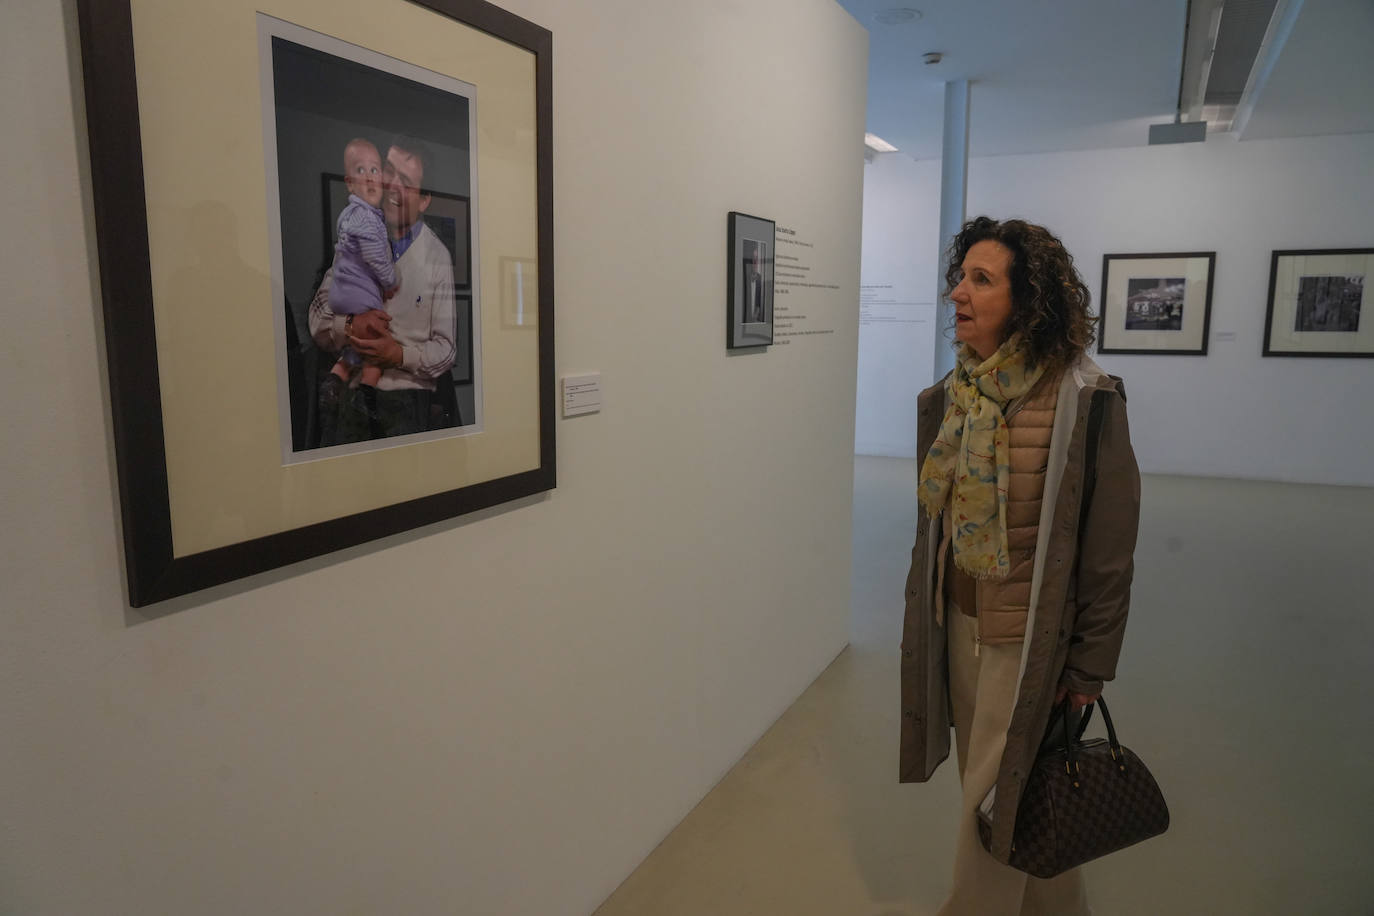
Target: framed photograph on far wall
pixel 1156 303
pixel 1316 303
pixel 749 296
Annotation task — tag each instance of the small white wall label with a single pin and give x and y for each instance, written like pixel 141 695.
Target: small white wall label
pixel 581 394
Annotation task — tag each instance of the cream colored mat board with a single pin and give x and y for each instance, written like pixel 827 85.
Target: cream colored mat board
pixel 216 310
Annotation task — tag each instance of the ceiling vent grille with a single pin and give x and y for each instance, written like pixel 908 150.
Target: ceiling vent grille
pixel 1243 24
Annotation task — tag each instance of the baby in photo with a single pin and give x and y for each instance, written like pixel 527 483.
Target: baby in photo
pixel 364 274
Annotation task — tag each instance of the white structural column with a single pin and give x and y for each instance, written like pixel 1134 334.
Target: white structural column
pixel 953 197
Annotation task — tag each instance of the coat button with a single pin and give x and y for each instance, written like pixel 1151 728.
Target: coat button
pixel 906 713
pixel 906 653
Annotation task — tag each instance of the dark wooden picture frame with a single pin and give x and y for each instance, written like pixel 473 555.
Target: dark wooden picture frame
pixel 750 255
pixel 1292 307
pixel 1169 291
pixel 155 572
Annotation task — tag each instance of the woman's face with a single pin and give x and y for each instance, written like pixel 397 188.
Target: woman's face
pixel 982 300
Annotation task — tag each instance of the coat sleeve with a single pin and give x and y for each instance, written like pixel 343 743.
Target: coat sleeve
pixel 326 328
pixel 376 252
pixel 1106 551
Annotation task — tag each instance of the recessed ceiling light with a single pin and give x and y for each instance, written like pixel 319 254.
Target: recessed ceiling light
pixel 897 15
pixel 878 144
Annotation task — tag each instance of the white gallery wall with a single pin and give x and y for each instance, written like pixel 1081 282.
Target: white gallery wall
pixel 502 714
pixel 897 327
pixel 1232 413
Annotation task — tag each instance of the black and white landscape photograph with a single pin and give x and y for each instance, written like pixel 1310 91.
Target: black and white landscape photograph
pixel 1154 303
pixel 1329 303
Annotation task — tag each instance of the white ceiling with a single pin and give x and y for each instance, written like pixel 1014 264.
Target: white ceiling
pixel 1323 82
pixel 1051 75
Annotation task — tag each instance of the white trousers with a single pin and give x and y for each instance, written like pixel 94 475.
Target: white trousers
pixel 982 691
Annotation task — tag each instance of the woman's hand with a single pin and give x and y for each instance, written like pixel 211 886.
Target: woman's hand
pixel 1077 700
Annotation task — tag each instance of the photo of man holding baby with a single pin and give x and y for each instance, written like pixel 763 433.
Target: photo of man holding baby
pixel 379 333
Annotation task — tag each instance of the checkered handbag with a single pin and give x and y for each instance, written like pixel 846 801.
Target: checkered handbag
pixel 1082 800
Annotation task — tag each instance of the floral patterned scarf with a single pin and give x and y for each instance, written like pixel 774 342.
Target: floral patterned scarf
pixel 968 464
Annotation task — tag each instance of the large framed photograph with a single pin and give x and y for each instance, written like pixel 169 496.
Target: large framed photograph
pixel 1316 303
pixel 1156 303
pixel 750 251
pixel 278 391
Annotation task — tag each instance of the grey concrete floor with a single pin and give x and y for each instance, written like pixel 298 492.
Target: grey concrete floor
pixel 1245 684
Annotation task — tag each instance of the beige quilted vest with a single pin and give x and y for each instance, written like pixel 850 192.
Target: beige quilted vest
pixel 1002 605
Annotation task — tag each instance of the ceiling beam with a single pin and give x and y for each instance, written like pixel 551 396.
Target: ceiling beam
pixel 1280 27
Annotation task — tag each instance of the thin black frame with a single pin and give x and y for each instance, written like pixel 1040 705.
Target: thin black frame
pixel 118 191
pixel 1107 259
pixel 1269 307
pixel 733 307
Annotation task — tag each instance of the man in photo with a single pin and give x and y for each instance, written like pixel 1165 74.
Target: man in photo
pixel 753 282
pixel 413 342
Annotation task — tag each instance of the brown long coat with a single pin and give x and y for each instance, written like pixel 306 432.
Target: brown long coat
pixel 1080 593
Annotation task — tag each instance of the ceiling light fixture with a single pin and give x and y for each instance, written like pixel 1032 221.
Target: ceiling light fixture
pixel 899 15
pixel 1181 131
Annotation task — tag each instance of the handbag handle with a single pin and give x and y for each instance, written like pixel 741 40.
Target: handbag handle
pixel 1070 763
pixel 1083 722
pixel 1114 744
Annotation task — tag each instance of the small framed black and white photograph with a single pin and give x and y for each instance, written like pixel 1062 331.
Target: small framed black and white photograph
pixel 1316 303
pixel 1156 303
pixel 749 298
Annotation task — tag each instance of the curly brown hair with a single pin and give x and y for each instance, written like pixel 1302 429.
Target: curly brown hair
pixel 1050 303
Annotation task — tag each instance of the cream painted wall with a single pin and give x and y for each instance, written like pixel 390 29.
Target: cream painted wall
pixel 502 714
pixel 1232 413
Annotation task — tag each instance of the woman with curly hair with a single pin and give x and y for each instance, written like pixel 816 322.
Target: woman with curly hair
pixel 1020 577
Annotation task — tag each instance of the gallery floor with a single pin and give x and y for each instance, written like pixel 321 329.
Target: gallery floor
pixel 1246 684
